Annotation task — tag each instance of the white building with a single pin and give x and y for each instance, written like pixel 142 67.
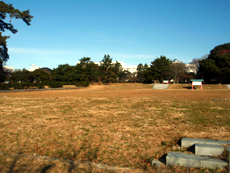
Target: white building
pixel 33 67
pixel 189 68
pixel 8 69
pixel 130 68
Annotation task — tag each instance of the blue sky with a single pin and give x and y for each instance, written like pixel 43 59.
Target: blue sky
pixel 131 31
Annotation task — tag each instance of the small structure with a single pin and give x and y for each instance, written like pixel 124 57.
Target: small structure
pixel 165 81
pixel 197 82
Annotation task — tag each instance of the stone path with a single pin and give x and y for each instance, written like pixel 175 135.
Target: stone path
pixel 204 152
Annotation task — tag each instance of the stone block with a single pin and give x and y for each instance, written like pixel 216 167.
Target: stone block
pixel 228 86
pixel 189 160
pixel 160 86
pixel 187 142
pixel 208 150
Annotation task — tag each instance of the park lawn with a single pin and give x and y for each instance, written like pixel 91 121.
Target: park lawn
pixel 124 125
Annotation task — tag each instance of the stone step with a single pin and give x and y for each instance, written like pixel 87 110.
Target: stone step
pixel 189 160
pixel 187 142
pixel 208 150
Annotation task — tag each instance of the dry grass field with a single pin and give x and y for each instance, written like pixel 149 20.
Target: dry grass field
pixel 121 125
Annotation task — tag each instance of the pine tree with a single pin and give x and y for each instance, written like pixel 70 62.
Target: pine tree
pixel 13 13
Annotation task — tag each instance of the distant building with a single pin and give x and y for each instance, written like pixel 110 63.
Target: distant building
pixel 33 67
pixel 189 68
pixel 8 69
pixel 176 61
pixel 130 68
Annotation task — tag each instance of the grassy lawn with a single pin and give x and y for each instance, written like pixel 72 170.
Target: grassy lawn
pixel 123 125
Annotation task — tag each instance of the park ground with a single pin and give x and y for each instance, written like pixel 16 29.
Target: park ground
pixel 118 125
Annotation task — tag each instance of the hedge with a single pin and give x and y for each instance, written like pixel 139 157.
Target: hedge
pixel 42 85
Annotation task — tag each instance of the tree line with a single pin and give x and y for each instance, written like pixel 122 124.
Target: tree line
pixel 104 72
pixel 213 68
pixel 85 70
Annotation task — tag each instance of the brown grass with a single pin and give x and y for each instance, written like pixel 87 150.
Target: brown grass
pixel 123 125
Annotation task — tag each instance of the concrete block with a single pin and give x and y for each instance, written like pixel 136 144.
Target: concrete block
pixel 187 142
pixel 189 160
pixel 227 148
pixel 160 86
pixel 228 86
pixel 208 150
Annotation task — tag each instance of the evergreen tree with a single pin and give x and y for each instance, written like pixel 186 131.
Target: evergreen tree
pixel 2 72
pixel 159 67
pixel 13 13
pixel 105 66
pixel 216 68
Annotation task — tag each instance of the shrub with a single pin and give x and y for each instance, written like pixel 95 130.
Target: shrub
pixel 55 84
pixel 4 86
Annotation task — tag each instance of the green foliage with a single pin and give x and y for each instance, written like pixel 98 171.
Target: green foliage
pixel 56 84
pixel 159 68
pixel 140 73
pixel 40 76
pixel 83 84
pixel 217 66
pixel 109 72
pixel 22 76
pixel 124 76
pixel 88 70
pixel 2 72
pixel 64 72
pixel 4 86
pixel 13 13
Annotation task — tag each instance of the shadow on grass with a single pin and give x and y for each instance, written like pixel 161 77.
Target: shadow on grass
pixel 163 158
pixel 189 88
pixel 191 149
pixel 19 164
pixel 13 164
pixel 46 168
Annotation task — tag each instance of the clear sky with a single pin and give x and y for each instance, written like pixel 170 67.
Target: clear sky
pixel 131 31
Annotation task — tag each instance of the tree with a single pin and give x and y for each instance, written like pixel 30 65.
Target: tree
pixel 143 73
pixel 216 68
pixel 64 73
pixel 13 13
pixel 22 76
pixel 106 63
pixel 40 75
pixel 159 68
pixel 105 66
pixel 2 72
pixel 176 71
pixel 124 76
pixel 88 69
pixel 197 60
